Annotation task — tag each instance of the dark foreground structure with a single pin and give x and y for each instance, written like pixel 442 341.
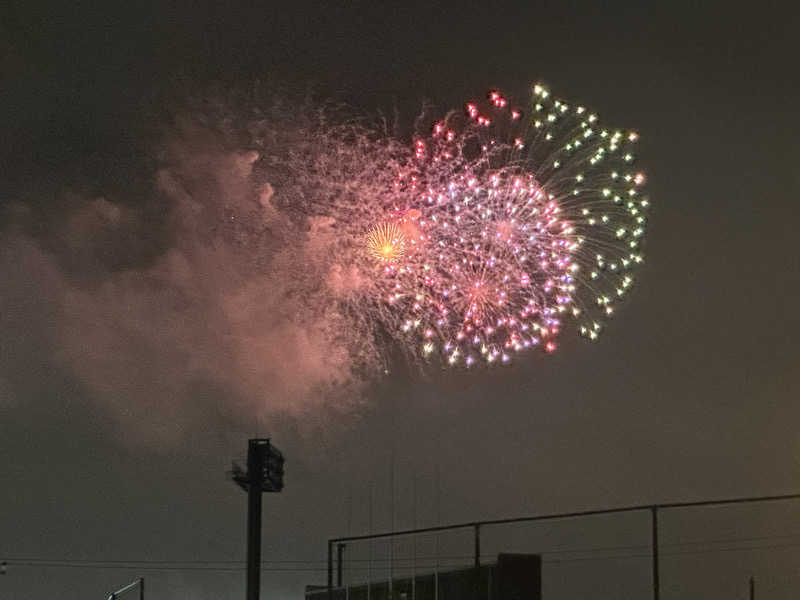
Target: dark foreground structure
pixel 264 474
pixel 476 526
pixel 512 577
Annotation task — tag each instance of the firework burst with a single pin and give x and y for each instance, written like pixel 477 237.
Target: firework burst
pixel 526 218
pixel 498 228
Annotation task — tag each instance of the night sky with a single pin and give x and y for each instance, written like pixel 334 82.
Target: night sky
pixel 115 445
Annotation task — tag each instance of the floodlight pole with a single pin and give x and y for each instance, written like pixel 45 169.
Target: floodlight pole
pixel 255 472
pixel 264 474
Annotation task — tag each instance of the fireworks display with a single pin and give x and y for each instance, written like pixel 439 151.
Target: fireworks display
pixel 501 224
pixel 523 218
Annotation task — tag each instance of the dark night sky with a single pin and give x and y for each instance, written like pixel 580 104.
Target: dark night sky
pixel 692 393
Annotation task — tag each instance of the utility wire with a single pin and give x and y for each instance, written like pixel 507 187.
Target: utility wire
pixel 18 560
pixel 211 566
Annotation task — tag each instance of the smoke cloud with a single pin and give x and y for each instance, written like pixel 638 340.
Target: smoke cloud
pixel 203 282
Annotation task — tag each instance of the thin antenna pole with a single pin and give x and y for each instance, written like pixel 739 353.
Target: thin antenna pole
pixel 391 498
pixel 349 507
pixel 349 524
pixel 436 538
pixel 414 539
pixel 369 547
pixel 391 510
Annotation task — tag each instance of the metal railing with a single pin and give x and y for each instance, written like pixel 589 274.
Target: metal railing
pixel 476 526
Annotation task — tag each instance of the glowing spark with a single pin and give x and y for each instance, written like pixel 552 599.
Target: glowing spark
pixel 386 242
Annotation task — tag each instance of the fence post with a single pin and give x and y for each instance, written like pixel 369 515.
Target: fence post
pixel 477 546
pixel 654 520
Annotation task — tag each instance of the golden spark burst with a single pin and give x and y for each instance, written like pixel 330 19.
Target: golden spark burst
pixel 386 242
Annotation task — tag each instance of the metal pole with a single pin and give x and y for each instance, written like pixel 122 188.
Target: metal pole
pixel 436 571
pixel 391 510
pixel 339 562
pixel 477 546
pixel 369 548
pixel 656 587
pixel 414 571
pixel 414 542
pixel 752 588
pixel 255 474
pixel 477 562
pixel 330 570
pixel 141 588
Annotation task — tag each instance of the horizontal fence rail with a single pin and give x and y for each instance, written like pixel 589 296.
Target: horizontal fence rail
pixel 476 526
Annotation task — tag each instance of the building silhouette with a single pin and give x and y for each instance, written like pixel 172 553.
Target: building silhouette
pixel 511 577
